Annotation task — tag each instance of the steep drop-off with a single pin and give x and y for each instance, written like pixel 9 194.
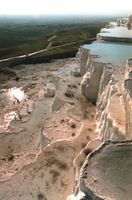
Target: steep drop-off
pixel 106 70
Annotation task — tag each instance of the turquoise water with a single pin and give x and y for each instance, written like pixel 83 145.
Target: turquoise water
pixel 116 54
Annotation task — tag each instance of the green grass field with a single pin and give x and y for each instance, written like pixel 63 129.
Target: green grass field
pixel 24 38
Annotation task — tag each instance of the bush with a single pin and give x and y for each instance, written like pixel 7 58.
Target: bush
pixel 87 151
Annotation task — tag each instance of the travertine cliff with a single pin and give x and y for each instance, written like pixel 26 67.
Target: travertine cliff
pixel 106 82
pixel 114 120
pixel 107 172
pixel 51 141
pixel 128 98
pixel 108 87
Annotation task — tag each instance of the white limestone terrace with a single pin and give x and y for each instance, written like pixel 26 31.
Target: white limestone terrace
pixel 106 68
pixel 116 54
pixel 116 32
pixel 120 31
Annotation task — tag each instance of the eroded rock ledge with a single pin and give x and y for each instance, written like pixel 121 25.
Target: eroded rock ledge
pixel 107 172
pixel 43 132
pixel 107 82
pixel 64 133
pixel 109 87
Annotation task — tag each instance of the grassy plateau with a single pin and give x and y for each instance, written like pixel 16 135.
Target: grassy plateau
pixel 60 36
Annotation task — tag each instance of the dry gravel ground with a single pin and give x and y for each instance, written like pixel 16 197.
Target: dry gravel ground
pixel 39 135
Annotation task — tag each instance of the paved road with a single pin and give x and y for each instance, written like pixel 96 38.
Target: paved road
pixel 40 51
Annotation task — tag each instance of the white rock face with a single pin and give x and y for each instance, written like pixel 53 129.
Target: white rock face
pixel 106 85
pixel 128 98
pixel 76 71
pixel 50 90
pixel 44 139
pixel 107 82
pixel 83 58
pixel 110 87
pixel 91 81
pixel 80 196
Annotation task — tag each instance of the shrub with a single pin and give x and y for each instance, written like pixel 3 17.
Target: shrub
pixel 55 174
pixel 87 151
pixel 11 157
pixel 41 197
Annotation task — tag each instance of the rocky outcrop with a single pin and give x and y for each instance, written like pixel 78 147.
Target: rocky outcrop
pixel 44 134
pixel 79 160
pixel 111 121
pixel 90 87
pixel 106 82
pixel 82 58
pixel 106 173
pixel 50 90
pixel 107 86
pixel 128 98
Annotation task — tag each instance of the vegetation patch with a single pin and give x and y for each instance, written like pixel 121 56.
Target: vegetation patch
pixel 87 151
pixel 55 175
pixel 53 161
pixel 24 38
pixel 41 196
